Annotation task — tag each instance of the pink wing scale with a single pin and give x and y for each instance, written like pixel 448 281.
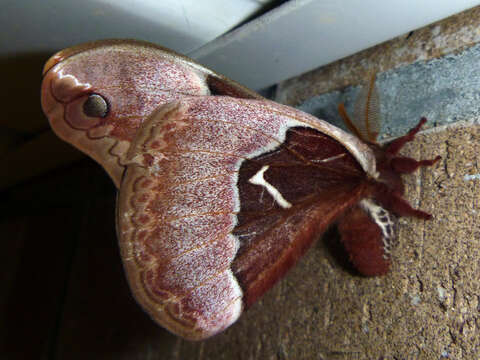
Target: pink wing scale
pixel 133 79
pixel 184 273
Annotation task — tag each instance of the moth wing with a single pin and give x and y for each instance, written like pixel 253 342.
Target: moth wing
pixel 201 234
pixel 130 79
pixel 367 234
pixel 277 241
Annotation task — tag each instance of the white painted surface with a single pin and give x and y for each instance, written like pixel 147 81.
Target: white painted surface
pixel 295 37
pixel 302 35
pixel 183 25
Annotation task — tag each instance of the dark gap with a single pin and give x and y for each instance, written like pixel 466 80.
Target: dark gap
pixel 263 10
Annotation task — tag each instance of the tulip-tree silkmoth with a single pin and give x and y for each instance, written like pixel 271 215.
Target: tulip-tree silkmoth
pixel 221 191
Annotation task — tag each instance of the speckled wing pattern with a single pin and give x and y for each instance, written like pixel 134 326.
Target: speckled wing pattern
pixel 182 220
pixel 134 78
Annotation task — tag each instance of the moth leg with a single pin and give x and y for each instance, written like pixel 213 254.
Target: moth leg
pixel 396 145
pixel 398 205
pixel 406 165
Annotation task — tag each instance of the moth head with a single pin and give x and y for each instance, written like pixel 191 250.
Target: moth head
pixel 386 188
pixel 365 123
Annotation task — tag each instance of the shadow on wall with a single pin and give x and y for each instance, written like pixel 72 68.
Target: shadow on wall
pixel 20 93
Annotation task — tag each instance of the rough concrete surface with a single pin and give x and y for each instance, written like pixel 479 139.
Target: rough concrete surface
pixel 427 307
pixel 451 35
pixel 445 90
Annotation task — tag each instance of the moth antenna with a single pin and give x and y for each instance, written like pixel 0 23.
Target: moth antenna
pixel 346 119
pixel 367 112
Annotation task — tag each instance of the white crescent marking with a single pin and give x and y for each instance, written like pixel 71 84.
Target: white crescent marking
pixel 258 179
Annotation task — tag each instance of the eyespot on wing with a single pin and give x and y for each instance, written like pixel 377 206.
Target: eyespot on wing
pixel 132 78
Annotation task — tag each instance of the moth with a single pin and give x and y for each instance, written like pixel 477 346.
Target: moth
pixel 220 190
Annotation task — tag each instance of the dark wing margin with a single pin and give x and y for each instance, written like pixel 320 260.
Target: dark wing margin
pixel 306 183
